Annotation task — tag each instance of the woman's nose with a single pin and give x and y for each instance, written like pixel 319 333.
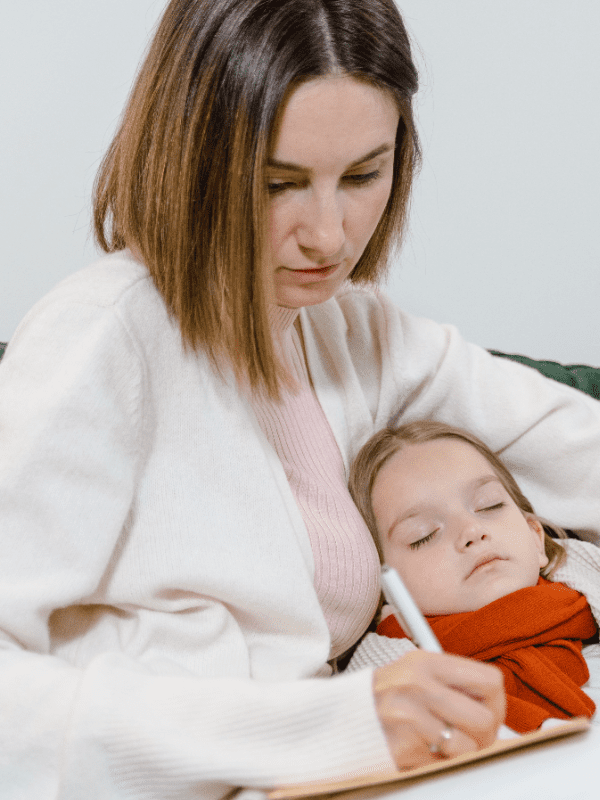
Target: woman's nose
pixel 321 233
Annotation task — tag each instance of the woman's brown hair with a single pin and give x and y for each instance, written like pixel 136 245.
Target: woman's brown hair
pixel 383 445
pixel 182 183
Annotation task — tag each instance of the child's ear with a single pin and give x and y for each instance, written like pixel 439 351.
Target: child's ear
pixel 538 531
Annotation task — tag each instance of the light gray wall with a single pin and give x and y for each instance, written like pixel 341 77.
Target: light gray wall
pixel 505 226
pixel 506 219
pixel 66 68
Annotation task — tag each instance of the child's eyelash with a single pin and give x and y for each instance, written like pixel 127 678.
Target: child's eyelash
pixel 429 537
pixel 494 507
pixel 424 540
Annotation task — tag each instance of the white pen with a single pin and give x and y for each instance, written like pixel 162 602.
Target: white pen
pixel 414 623
pixel 407 612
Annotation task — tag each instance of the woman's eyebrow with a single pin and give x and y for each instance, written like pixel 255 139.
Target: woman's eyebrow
pixel 286 165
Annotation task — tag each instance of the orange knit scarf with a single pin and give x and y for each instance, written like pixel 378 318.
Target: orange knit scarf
pixel 534 636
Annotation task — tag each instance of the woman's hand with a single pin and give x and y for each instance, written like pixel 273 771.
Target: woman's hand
pixel 436 704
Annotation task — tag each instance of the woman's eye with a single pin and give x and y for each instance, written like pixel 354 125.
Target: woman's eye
pixel 424 540
pixel 363 179
pixel 276 188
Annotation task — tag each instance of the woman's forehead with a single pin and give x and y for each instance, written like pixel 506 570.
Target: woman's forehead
pixel 339 118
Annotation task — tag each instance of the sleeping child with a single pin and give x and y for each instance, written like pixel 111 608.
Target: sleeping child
pixel 493 584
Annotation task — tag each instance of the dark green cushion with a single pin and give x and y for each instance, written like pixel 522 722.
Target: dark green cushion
pixel 2 348
pixel 581 376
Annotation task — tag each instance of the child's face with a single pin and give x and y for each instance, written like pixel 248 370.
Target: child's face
pixel 452 530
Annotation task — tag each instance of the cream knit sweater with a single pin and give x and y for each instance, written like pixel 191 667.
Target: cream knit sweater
pixel 345 558
pixel 160 628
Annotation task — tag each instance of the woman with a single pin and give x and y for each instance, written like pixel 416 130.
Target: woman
pixel 181 559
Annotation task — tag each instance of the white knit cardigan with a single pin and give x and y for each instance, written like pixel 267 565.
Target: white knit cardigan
pixel 160 632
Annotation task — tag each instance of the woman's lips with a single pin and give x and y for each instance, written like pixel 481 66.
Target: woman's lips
pixel 310 275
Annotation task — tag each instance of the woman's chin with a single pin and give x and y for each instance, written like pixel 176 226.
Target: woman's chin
pixel 306 295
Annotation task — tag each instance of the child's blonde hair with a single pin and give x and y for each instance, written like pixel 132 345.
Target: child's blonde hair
pixel 383 445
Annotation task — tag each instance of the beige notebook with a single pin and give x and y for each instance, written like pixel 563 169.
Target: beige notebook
pixel 575 725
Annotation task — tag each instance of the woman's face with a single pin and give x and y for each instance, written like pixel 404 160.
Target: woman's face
pixel 329 179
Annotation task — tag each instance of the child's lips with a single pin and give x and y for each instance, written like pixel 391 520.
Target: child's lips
pixel 483 560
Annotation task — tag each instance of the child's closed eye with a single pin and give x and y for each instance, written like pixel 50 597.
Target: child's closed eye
pixel 424 540
pixel 494 507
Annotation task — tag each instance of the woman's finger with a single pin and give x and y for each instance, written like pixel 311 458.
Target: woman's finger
pixel 467 694
pixel 416 736
pixel 482 682
pixel 437 705
pixel 477 678
pixel 451 742
pixel 477 718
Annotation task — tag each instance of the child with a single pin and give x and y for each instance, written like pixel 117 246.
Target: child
pixel 448 516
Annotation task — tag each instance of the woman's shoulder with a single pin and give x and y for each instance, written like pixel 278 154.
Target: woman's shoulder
pixel 116 290
pixel 110 309
pixel 108 281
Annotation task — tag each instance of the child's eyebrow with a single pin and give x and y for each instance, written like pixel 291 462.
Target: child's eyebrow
pixel 411 512
pixel 486 479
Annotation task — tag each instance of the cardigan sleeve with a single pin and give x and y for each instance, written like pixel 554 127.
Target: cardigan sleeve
pixel 72 414
pixel 581 571
pixel 404 368
pixel 375 650
pixel 547 433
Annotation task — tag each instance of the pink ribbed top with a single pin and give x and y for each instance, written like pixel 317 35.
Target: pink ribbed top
pixel 346 560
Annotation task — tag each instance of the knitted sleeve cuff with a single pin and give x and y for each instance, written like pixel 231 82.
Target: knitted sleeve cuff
pixel 376 651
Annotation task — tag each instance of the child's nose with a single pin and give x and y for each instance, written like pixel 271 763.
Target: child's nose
pixel 472 532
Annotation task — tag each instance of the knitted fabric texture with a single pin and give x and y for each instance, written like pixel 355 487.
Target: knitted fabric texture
pixel 534 636
pixel 346 561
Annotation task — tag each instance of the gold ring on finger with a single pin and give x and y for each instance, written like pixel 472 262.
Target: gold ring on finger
pixel 439 747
